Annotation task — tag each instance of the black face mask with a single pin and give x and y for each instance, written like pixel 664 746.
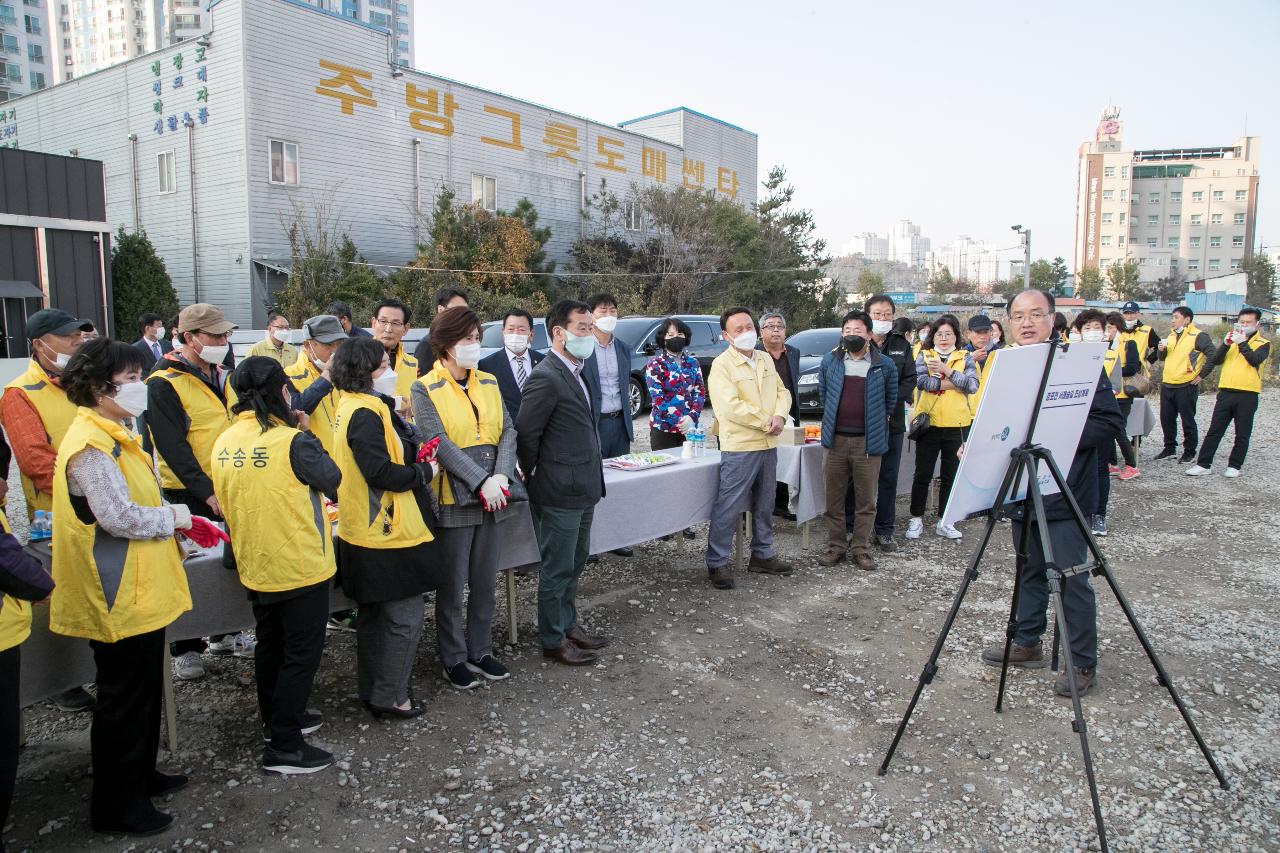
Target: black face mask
pixel 853 344
pixel 676 343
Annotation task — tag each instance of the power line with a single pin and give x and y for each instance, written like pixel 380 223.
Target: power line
pixel 565 273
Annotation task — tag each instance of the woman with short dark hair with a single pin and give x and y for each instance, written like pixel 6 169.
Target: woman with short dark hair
pixel 119 578
pixel 461 407
pixel 677 392
pixel 384 543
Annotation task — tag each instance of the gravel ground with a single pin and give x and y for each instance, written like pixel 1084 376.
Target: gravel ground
pixel 755 719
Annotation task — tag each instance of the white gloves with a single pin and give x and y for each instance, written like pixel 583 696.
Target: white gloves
pixel 685 425
pixel 491 493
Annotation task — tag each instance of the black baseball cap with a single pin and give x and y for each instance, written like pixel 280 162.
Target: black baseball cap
pixel 979 323
pixel 1129 308
pixel 54 321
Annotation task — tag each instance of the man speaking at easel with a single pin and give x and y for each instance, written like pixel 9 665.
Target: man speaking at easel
pixel 1031 318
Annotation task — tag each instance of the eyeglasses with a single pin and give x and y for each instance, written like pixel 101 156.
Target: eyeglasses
pixel 773 327
pixel 1031 316
pixel 388 324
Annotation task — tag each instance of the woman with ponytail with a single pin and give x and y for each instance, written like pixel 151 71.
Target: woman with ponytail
pixel 271 479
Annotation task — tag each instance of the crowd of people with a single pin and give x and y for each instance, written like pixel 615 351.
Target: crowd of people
pixel 144 452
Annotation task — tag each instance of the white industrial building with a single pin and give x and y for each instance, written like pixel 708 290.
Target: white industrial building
pixel 1185 210
pixel 213 145
pixel 966 258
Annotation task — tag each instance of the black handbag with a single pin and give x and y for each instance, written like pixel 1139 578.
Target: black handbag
pixel 486 456
pixel 918 427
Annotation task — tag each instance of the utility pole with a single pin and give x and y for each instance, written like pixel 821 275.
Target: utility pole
pixel 1026 255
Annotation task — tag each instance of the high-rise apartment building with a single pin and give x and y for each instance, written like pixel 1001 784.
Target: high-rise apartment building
pixel 1188 211
pixel 871 246
pixel 906 246
pixel 26 60
pixel 966 258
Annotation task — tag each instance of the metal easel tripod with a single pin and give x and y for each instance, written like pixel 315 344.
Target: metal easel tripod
pixel 1025 462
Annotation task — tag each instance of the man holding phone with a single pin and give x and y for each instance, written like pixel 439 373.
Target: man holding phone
pixel 1241 355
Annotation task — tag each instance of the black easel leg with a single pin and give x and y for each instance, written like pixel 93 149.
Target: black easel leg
pixel 1011 628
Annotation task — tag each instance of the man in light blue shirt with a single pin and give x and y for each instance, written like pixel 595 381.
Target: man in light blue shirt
pixel 609 369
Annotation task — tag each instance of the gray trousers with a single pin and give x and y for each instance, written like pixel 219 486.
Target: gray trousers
pixel 748 481
pixel 470 560
pixel 387 634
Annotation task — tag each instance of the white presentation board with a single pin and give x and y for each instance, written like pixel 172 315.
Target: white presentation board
pixel 1004 414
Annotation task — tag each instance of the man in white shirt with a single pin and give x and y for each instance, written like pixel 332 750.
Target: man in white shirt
pixel 153 344
pixel 512 364
pixel 610 372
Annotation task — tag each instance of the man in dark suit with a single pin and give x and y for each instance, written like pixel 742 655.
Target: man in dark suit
pixel 153 344
pixel 786 360
pixel 559 451
pixel 514 363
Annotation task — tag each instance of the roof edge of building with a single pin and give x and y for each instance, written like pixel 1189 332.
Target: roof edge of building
pixel 687 110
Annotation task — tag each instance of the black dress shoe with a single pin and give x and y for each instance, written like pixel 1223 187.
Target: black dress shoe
pixel 1166 453
pixel 152 823
pixel 689 533
pixel 569 654
pixel 623 552
pixel 583 640
pixel 414 710
pixel 165 783
pixel 780 512
pixel 1189 456
pixel 594 558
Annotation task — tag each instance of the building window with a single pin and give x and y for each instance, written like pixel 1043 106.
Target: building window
pixel 284 163
pixel 1193 264
pixel 1215 264
pixel 484 192
pixel 1173 242
pixel 1197 195
pixel 167 180
pixel 1196 218
pixel 1153 219
pixel 380 19
pixel 1122 217
pixel 1121 240
pixel 1106 239
pixel 1194 242
pixel 1104 263
pixel 32 24
pixel 1137 197
pixel 1143 261
pixel 1108 195
pixel 1175 218
pixel 1108 171
pixel 1151 242
pixel 1242 195
pixel 1106 219
pixel 37 81
pixel 632 220
pixel 1238 219
pixel 1175 197
pixel 1215 242
pixel 1217 195
pixel 1153 198
pixel 1237 240
pixel 15 73
pixel 1215 219
pixel 1235 263
pixel 35 53
pixel 8 43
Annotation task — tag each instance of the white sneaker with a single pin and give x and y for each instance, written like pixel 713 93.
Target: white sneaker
pixel 915 528
pixel 948 531
pixel 1196 471
pixel 188 666
pixel 1231 473
pixel 241 645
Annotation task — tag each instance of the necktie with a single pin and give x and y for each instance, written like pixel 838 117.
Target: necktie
pixel 520 372
pixel 155 348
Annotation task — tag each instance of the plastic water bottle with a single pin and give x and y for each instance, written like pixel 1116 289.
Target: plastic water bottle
pixel 41 526
pixel 698 439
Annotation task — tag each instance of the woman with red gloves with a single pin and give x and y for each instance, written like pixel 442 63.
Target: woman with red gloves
pixel 264 466
pixel 120 579
pixel 460 406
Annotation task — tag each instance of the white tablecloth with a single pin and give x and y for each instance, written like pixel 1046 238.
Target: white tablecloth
pixel 800 467
pixel 640 506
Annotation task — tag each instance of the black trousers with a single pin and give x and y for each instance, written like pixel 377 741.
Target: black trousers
pixel 1178 402
pixel 1122 440
pixel 290 640
pixel 10 728
pixel 663 440
pixel 936 442
pixel 125 735
pixel 1237 406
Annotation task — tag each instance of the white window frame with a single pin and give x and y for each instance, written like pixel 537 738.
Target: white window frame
pixel 1237 241
pixel 1197 219
pixel 1106 218
pixel 1153 219
pixel 1197 195
pixel 1108 171
pixel 1218 195
pixel 1215 265
pixel 632 218
pixel 1242 195
pixel 284 163
pixel 1175 218
pixel 1238 219
pixel 1153 198
pixel 1194 242
pixel 1235 263
pixel 1152 242
pixel 1193 264
pixel 1172 242
pixel 486 187
pixel 166 172
pixel 1106 239
pixel 1107 195
pixel 1215 219
pixel 1175 196
pixel 1215 242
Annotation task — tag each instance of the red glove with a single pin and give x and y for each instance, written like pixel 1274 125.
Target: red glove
pixel 205 533
pixel 427 453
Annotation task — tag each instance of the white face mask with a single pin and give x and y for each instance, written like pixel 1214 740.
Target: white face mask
pixel 1247 331
pixel 579 347
pixel 1130 324
pixel 607 324
pixel 61 359
pixel 516 343
pixel 1091 336
pixel 945 349
pixel 745 341
pixel 177 345
pixel 132 397
pixel 467 356
pixel 159 333
pixel 284 336
pixel 214 355
pixel 385 383
pixel 1074 336
pixel 881 327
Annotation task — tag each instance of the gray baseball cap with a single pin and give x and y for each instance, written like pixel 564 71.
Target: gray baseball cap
pixel 324 329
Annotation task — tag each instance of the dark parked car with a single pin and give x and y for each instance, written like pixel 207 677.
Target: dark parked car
pixel 813 345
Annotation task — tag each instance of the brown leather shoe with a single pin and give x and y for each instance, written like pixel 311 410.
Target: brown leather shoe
pixel 864 562
pixel 569 654
pixel 583 640
pixel 768 566
pixel 722 578
pixel 831 557
pixel 1086 679
pixel 1029 657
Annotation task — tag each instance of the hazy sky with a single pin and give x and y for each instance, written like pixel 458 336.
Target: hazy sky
pixel 963 117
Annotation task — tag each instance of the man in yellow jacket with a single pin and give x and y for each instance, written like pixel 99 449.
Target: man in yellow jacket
pixel 751 406
pixel 1187 355
pixel 1241 355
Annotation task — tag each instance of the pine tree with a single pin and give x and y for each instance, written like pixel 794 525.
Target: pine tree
pixel 139 284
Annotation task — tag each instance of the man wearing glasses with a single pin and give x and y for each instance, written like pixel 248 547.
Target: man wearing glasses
pixel 786 360
pixel 390 323
pixel 277 343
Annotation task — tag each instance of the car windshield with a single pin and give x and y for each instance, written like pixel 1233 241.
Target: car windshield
pixel 815 342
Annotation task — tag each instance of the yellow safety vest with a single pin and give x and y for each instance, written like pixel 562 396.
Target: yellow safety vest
pixel 56 413
pixel 110 588
pixel 983 370
pixel 303 374
pixel 278 525
pixel 406 373
pixel 949 408
pixel 470 418
pixel 15 614
pixel 1109 367
pixel 1238 374
pixel 1179 348
pixel 372 518
pixel 1141 337
pixel 207 418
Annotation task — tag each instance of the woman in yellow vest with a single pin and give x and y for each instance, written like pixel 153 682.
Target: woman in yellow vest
pixel 1089 327
pixel 309 376
pixel 384 545
pixel 945 377
pixel 1125 353
pixel 462 407
pixel 1242 355
pixel 271 479
pixel 120 579
pixel 22 581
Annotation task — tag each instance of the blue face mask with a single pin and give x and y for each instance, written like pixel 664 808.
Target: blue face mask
pixel 579 347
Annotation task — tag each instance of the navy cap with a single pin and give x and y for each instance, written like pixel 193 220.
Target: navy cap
pixel 1129 306
pixel 979 323
pixel 55 321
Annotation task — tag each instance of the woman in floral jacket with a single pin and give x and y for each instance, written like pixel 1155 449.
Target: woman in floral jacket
pixel 676 389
